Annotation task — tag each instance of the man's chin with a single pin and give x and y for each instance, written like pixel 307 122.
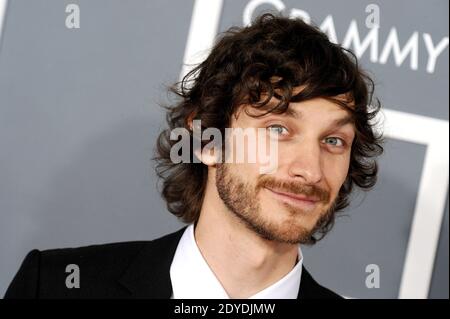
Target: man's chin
pixel 301 237
pixel 286 233
pixel 289 228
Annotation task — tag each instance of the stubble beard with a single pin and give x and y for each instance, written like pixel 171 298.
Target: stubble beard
pixel 241 199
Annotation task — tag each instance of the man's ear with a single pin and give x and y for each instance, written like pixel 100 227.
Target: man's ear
pixel 189 120
pixel 207 156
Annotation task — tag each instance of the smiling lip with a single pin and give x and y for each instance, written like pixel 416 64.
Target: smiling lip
pixel 296 197
pixel 304 202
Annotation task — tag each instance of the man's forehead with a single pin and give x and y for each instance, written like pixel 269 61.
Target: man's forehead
pixel 344 102
pixel 344 97
pixel 294 109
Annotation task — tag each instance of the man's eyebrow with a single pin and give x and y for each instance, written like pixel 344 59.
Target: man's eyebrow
pixel 335 123
pixel 342 121
pixel 288 112
pixel 292 113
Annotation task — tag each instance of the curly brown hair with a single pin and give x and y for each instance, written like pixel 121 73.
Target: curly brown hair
pixel 240 70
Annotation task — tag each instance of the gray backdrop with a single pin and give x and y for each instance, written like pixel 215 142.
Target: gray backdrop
pixel 79 117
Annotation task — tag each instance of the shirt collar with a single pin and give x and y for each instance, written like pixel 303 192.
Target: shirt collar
pixel 191 276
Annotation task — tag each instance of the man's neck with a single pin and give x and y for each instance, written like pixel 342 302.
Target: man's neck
pixel 243 262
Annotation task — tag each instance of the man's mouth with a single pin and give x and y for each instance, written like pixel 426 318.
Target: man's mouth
pixel 306 203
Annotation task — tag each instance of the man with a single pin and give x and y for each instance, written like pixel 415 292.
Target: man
pixel 244 227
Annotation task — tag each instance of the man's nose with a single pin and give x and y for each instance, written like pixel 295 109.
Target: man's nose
pixel 306 162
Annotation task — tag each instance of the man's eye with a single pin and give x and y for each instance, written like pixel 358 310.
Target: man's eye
pixel 277 129
pixel 335 141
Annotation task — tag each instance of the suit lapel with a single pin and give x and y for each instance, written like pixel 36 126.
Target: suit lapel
pixel 309 288
pixel 148 275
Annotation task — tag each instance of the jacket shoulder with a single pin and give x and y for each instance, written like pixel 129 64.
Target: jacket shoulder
pixel 310 289
pixel 94 254
pixel 43 274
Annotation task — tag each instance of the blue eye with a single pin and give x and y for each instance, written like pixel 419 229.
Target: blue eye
pixel 278 128
pixel 335 141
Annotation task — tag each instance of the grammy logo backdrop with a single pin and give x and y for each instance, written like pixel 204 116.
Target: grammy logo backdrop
pixel 80 83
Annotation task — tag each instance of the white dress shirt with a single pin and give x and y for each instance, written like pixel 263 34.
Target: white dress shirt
pixel 192 278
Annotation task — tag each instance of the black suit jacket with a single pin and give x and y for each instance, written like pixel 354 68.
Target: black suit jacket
pixel 119 270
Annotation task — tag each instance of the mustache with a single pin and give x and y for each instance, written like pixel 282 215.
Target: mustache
pixel 293 187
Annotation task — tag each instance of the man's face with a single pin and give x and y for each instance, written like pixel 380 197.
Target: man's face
pixel 313 160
